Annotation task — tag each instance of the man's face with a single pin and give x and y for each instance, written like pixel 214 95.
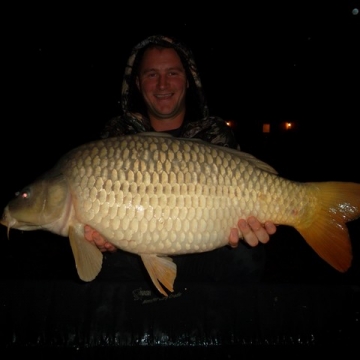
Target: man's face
pixel 162 82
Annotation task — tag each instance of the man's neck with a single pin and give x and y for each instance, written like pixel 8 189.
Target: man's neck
pixel 167 124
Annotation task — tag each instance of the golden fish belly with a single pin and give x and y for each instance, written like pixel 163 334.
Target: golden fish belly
pixel 164 196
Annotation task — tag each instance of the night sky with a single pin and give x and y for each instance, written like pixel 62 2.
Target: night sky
pixel 258 63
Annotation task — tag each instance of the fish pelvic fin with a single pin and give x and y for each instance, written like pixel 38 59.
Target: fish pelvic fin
pixel 160 268
pixel 88 258
pixel 339 203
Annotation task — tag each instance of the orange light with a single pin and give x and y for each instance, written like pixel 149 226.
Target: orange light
pixel 230 123
pixel 266 128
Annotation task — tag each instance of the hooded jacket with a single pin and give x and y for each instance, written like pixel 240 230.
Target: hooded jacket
pixel 197 122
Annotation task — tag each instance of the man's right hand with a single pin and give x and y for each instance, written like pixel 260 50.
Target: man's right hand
pixel 95 238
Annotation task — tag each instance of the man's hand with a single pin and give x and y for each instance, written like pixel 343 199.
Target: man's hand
pixel 95 238
pixel 252 232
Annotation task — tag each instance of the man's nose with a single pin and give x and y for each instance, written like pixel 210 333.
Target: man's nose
pixel 162 81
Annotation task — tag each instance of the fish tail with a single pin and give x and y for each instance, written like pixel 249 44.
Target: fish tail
pixel 339 203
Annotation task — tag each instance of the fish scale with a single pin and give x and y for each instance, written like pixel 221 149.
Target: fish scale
pixel 159 196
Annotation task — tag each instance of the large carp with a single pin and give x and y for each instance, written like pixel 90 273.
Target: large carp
pixel 158 196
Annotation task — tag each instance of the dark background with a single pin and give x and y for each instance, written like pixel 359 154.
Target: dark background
pixel 259 62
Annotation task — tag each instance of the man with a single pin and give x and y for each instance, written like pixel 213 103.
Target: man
pixel 162 92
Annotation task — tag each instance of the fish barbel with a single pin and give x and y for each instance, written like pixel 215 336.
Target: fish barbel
pixel 158 196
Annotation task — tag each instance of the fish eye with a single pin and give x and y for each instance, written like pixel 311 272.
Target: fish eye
pixel 24 194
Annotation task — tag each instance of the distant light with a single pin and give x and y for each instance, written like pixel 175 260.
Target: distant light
pixel 266 128
pixel 230 123
pixel 288 125
pixel 355 11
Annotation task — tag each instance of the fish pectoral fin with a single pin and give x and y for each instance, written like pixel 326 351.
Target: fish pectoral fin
pixel 160 268
pixel 88 258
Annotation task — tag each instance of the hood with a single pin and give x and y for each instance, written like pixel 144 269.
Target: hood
pixel 129 89
pixel 133 118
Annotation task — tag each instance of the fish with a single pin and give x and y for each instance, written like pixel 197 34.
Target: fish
pixel 159 196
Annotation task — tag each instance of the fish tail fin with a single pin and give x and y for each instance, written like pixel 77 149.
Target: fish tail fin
pixel 339 203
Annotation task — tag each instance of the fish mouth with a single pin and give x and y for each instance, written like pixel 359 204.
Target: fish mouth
pixel 8 221
pixel 12 223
